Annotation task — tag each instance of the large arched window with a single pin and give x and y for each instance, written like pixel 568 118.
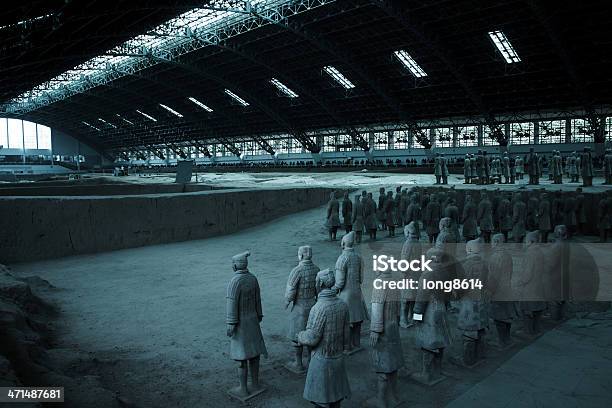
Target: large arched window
pixel 20 134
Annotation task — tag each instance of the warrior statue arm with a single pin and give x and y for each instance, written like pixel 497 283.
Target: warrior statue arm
pixel 314 329
pixel 231 316
pixel 258 303
pixel 292 286
pixel 377 322
pixel 340 276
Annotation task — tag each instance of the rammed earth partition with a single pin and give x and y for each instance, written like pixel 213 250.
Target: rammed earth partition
pixel 44 227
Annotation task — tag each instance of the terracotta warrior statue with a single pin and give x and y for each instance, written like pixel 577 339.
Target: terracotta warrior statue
pixel 533 167
pixel 519 218
pixel 413 214
pixel 431 219
pixel 485 217
pixel 473 317
pixel 467 169
pixel 327 335
pixel 347 213
pixel 470 228
pixel 503 309
pixel 544 224
pixel 412 249
pixel 607 167
pixel 438 168
pixel 369 216
pixel 519 167
pixel 358 219
pixel 530 284
pixel 433 334
pixel 446 239
pixel 300 296
pixel 387 355
pixel 244 314
pixel 452 211
pixel 586 167
pixel 504 214
pixel 349 277
pixel 333 216
pixel 389 214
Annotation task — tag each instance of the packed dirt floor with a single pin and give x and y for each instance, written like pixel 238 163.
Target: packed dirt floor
pixel 149 323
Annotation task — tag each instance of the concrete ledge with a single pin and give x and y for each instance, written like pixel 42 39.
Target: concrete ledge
pixel 99 189
pixel 35 228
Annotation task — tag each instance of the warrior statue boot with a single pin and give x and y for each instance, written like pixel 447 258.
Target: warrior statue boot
pixel 481 349
pixel 469 352
pixel 426 376
pixel 437 364
pixel 242 390
pixel 297 364
pixel 503 333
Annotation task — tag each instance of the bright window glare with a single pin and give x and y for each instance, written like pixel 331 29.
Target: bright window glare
pixel 200 104
pixel 172 111
pixel 147 116
pixel 338 77
pixel 236 98
pixel 503 45
pixel 410 63
pixel 283 88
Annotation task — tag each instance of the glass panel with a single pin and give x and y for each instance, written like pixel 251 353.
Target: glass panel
pixel 444 137
pixel 522 133
pixel 581 132
pixel 552 131
pixel 29 135
pixel 467 136
pixel 44 137
pixel 15 134
pixel 3 133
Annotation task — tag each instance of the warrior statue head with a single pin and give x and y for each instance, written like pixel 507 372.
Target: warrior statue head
pixel 473 247
pixel 325 279
pixel 357 198
pixel 332 195
pixel 304 253
pixel 497 239
pixel 410 230
pixel 348 240
pixel 346 195
pixel 445 223
pixel 560 233
pixel 531 238
pixel 240 261
pixel 436 255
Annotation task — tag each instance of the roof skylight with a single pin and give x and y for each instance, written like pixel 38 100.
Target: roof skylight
pixel 338 77
pixel 124 119
pixel 200 104
pixel 503 45
pixel 172 111
pixel 410 63
pixel 213 22
pixel 236 98
pixel 107 123
pixel 147 116
pixel 283 88
pixel 90 125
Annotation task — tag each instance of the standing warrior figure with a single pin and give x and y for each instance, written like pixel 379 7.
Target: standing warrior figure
pixel 532 211
pixel 572 167
pixel 431 219
pixel 403 205
pixel 544 225
pixel 557 168
pixel 327 334
pixel 530 284
pixel 397 218
pixel 487 167
pixel 485 217
pixel 520 170
pixel 506 168
pixel 387 354
pixel 533 166
pixel 347 213
pixel 467 169
pixel 519 218
pixel 443 164
pixel 357 219
pixel 438 168
pixel 349 277
pixel 503 309
pixel 390 214
pixel 473 317
pixel 472 167
pixel 333 216
pixel 586 167
pixel 301 294
pixel 480 167
pixel 412 249
pixel 452 211
pixel 380 210
pixel 470 226
pixel 244 314
pixel 504 213
pixel 413 214
pixel 607 167
pixel 512 165
pixel 581 217
pixel 569 213
pixel 433 333
pixel 369 216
